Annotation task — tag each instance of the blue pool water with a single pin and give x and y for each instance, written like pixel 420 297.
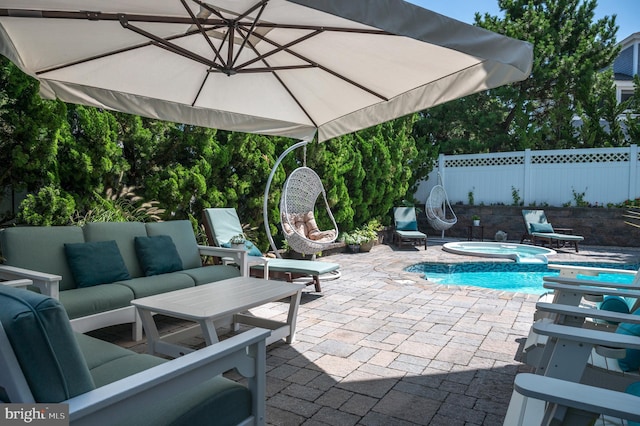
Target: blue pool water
pixel 507 276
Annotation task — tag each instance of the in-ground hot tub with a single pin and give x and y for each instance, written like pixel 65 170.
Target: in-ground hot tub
pixel 519 252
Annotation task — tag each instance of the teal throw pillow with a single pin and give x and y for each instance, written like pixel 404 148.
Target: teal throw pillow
pixel 249 246
pixel 157 255
pixel 94 263
pixel 541 227
pixel 631 362
pixel 407 225
pixel 614 304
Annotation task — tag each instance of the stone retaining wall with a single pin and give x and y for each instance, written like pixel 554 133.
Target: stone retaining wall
pixel 598 226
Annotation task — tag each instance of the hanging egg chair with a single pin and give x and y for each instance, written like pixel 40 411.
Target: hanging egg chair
pixel 298 200
pixel 300 193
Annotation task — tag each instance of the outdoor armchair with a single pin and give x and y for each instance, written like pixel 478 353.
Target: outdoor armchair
pixel 43 361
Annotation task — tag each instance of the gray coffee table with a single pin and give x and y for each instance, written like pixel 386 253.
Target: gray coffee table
pixel 207 303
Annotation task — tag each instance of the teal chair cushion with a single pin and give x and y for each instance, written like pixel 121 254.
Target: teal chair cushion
pixel 541 227
pixel 407 226
pixel 96 263
pixel 38 329
pixel 181 232
pixel 157 255
pixel 631 362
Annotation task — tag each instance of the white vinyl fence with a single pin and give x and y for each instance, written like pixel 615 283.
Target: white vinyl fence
pixel 599 176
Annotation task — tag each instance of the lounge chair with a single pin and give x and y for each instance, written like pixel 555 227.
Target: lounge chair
pixel 406 227
pixel 538 229
pixel 43 361
pixel 223 223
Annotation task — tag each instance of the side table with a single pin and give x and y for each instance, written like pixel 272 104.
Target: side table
pixel 471 231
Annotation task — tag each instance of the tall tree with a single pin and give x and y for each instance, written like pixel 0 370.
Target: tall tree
pixel 571 48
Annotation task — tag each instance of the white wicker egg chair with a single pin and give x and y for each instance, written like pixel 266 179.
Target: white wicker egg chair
pixel 300 193
pixel 439 213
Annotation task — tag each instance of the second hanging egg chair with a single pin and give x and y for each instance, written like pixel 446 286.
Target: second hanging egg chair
pixel 440 215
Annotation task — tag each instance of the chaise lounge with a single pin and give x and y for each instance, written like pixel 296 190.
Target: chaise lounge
pixel 539 230
pixel 223 223
pixel 43 361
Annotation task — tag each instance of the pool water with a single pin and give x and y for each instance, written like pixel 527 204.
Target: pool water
pixel 507 276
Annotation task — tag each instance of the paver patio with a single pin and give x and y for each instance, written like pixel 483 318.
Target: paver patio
pixel 381 346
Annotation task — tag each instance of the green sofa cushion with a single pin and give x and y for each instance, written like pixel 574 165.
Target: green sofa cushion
pixel 157 255
pixel 123 233
pixel 41 248
pixel 149 286
pixel 39 331
pixel 81 302
pixel 219 400
pixel 209 274
pixel 181 232
pixel 97 262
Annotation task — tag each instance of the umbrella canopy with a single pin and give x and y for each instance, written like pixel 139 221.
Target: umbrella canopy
pixel 275 67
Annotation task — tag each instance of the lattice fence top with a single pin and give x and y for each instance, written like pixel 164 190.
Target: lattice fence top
pixel 591 157
pixel 484 161
pixel 544 157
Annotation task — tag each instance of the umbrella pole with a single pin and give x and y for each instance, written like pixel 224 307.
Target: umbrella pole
pixel 265 206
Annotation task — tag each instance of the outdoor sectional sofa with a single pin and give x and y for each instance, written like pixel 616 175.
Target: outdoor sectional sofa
pixel 99 272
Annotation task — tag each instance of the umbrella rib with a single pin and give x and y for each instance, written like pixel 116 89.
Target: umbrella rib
pixel 110 53
pixel 285 87
pixel 251 30
pixel 202 31
pixel 278 49
pixel 160 42
pixel 325 69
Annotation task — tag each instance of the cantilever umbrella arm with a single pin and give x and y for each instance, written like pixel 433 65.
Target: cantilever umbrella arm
pixel 265 205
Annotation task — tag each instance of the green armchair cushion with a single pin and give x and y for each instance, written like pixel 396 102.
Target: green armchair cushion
pixel 631 362
pixel 40 334
pixel 157 255
pixel 96 263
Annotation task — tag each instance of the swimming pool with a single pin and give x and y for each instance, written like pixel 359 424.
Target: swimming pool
pixel 521 253
pixel 507 276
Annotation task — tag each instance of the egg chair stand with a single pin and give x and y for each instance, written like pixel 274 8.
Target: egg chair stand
pixel 440 215
pixel 300 193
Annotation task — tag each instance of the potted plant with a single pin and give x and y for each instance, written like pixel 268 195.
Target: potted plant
pixel 352 240
pixel 369 234
pixel 237 241
pixel 476 220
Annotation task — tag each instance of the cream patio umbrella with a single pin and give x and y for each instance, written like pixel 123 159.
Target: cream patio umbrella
pixel 293 68
pixel 276 67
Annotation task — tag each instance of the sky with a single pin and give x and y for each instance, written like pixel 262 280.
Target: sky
pixel 626 11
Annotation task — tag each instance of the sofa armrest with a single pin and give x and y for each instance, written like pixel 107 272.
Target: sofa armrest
pixel 48 284
pixel 113 403
pixel 239 256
